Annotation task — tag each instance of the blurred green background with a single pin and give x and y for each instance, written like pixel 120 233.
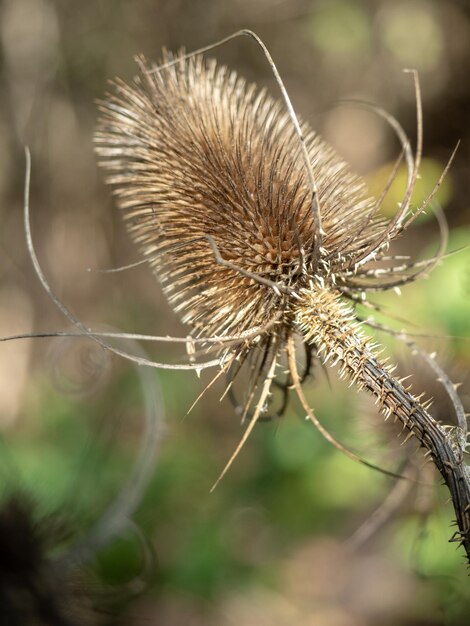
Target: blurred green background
pixel 277 543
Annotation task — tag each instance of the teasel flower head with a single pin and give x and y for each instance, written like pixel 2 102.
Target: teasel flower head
pixel 259 232
pixel 195 152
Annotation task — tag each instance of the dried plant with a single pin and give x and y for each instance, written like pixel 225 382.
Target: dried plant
pixel 259 234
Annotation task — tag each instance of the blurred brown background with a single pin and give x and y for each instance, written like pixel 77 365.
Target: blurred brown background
pixel 269 547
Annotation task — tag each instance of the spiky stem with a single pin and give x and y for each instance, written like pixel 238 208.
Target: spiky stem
pixel 330 324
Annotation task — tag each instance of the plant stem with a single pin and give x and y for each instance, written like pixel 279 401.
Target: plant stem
pixel 328 323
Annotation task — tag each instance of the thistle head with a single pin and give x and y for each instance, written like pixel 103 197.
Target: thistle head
pixel 204 164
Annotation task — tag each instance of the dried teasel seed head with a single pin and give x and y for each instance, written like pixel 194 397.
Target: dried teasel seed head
pixel 33 589
pixel 254 225
pixel 194 151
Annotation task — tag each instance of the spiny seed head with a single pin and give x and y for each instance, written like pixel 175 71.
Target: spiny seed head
pixel 195 152
pixel 34 589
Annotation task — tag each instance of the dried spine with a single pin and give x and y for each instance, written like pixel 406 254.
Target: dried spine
pixel 212 178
